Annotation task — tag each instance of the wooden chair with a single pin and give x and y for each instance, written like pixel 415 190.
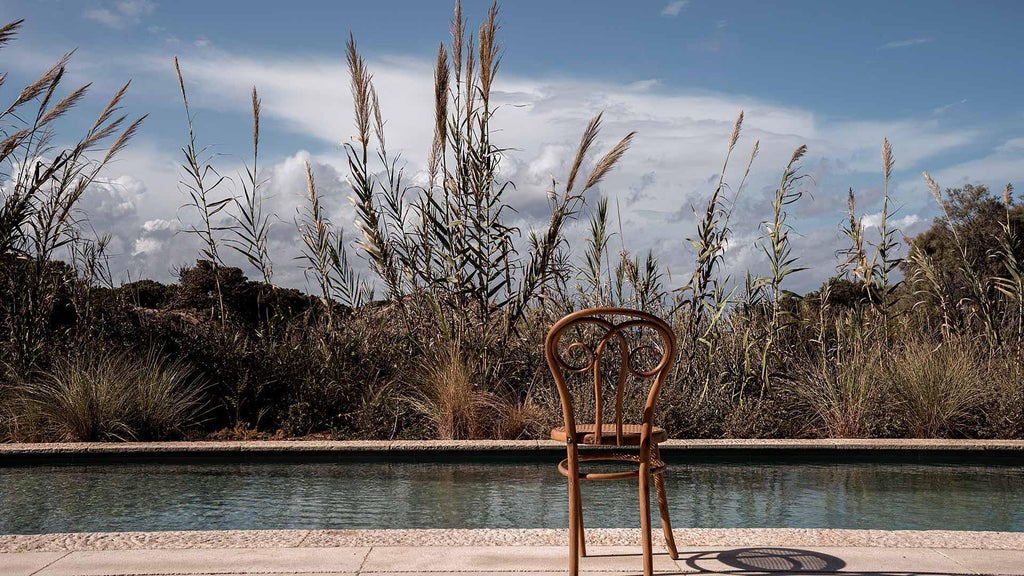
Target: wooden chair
pixel 596 330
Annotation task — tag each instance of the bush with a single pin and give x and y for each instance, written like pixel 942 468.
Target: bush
pixel 104 396
pixel 938 389
pixel 845 397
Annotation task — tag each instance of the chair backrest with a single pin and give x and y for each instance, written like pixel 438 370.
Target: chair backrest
pixel 597 328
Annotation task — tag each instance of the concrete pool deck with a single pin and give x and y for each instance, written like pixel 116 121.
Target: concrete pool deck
pixel 494 552
pixel 497 552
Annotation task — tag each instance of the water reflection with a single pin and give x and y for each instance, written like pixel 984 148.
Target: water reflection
pixel 381 495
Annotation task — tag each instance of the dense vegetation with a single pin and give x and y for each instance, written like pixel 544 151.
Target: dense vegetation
pixel 923 345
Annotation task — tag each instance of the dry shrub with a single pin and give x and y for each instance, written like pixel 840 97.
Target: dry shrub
pixel 844 396
pixel 102 396
pixel 938 389
pixel 19 420
pixel 379 412
pixel 1004 411
pixel 452 397
pixel 447 394
pixel 521 418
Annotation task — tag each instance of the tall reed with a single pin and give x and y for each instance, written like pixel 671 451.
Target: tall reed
pixel 39 220
pixel 201 180
pixel 251 230
pixel 781 262
pixel 958 313
pixel 326 256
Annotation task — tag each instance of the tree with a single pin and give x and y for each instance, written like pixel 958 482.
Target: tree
pixel 977 216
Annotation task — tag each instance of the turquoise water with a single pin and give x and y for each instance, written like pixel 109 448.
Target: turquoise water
pixel 149 497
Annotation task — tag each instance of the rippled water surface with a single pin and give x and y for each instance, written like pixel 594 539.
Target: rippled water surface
pixel 105 497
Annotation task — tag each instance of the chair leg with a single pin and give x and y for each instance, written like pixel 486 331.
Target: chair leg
pixel 645 517
pixel 580 532
pixel 666 524
pixel 574 540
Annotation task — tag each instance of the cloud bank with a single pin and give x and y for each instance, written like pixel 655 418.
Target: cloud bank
pixel 667 175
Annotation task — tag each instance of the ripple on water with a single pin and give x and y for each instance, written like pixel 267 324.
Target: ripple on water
pixel 157 497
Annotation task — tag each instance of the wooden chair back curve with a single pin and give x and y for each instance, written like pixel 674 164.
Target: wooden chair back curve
pixel 610 326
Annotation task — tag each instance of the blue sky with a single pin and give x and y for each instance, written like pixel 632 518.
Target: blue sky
pixel 941 80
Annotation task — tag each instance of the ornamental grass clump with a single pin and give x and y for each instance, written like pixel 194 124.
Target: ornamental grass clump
pixel 448 396
pixel 938 389
pixel 845 394
pixel 116 396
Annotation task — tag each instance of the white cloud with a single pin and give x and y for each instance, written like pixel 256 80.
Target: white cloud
pixel 1001 165
pixel 671 167
pixel 146 246
pixel 159 225
pixel 875 220
pixel 947 107
pixel 674 7
pixel 643 85
pixel 121 14
pixel 1011 146
pixel 904 43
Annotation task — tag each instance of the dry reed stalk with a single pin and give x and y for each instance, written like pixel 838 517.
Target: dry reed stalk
pixel 9 31
pixel 490 50
pixel 250 233
pixel 458 35
pixel 198 173
pixel 608 161
pixel 438 146
pixel 360 86
pixel 781 262
pixel 589 136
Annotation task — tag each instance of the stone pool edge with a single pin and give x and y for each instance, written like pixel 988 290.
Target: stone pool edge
pixel 709 537
pixel 386 446
pixel 735 451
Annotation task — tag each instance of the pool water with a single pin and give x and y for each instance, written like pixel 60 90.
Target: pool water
pixel 151 497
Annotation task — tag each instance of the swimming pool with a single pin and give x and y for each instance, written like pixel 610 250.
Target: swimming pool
pixel 352 495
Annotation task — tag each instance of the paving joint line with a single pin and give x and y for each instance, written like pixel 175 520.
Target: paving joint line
pixel 66 554
pixel 968 569
pixel 362 563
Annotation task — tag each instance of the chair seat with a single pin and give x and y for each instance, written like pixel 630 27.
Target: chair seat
pixel 585 434
pixel 657 466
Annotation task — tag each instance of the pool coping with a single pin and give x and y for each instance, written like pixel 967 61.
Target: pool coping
pixel 519 445
pixel 702 450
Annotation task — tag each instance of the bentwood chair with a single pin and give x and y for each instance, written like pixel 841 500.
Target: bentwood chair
pixel 577 344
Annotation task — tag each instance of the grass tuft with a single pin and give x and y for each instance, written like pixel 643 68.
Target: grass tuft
pixel 116 396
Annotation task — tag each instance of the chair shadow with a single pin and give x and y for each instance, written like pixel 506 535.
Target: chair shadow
pixel 777 561
pixel 767 560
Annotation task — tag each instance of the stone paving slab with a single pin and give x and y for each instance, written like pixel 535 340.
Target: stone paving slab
pixel 496 552
pixel 26 563
pixel 987 561
pixel 219 561
pixel 511 558
pixel 692 537
pixel 496 561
